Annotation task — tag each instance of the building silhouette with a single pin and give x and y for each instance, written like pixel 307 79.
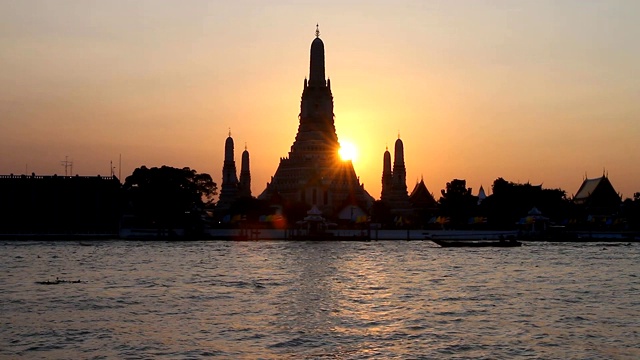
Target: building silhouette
pixel 313 173
pixel 421 199
pixel 52 204
pixel 244 186
pixel 229 186
pixel 387 177
pixel 394 182
pixel 481 195
pixel 597 196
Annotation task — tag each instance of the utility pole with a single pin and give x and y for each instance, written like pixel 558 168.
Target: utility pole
pixel 68 165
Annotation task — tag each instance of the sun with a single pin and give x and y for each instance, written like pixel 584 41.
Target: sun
pixel 348 151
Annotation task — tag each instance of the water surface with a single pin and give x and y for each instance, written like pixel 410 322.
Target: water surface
pixel 324 300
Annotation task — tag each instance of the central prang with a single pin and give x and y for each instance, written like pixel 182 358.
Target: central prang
pixel 313 173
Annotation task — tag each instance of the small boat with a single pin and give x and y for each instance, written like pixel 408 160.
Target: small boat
pixel 491 243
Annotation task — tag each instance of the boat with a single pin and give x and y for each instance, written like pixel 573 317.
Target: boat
pixel 489 243
pixel 467 235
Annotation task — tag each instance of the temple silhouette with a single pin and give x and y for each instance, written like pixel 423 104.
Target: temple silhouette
pixel 394 182
pixel 313 176
pixel 312 181
pixel 313 173
pixel 231 188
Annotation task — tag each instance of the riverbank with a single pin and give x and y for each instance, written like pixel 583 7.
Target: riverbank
pixel 335 235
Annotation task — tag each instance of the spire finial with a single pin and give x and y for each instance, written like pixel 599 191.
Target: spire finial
pixel 245 145
pixel 398 134
pixel 317 30
pixel 229 131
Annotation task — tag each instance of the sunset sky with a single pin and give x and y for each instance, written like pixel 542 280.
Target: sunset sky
pixel 531 91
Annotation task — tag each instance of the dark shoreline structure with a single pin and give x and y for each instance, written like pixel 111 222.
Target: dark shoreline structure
pixel 292 234
pixel 86 208
pixel 56 207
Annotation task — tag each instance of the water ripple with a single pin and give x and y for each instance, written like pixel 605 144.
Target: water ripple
pixel 328 300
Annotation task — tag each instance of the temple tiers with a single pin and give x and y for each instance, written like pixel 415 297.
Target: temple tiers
pixel 313 173
pixel 229 187
pixel 394 183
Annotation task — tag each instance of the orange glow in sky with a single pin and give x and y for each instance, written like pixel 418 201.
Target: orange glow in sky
pixel 532 91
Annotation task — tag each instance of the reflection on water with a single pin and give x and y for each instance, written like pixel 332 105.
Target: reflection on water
pixel 346 300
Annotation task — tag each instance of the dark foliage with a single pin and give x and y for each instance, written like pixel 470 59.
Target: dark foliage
pixel 458 203
pixel 511 201
pixel 631 212
pixel 167 197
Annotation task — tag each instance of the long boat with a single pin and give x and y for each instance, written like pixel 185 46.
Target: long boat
pixel 491 243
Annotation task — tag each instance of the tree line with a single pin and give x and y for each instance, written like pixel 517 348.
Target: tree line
pixel 181 198
pixel 172 198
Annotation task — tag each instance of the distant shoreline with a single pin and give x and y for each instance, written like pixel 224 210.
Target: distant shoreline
pixel 337 235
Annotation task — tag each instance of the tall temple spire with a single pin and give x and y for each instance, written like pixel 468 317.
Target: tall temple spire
pixel 398 156
pixel 387 176
pixel 229 187
pixel 394 182
pixel 228 149
pixel 313 173
pixel 317 130
pixel 244 186
pixel 386 163
pixel 316 66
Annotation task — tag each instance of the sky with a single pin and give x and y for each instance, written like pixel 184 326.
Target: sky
pixel 544 92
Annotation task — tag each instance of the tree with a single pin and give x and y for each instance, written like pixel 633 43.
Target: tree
pixel 631 211
pixel 169 198
pixel 511 201
pixel 457 202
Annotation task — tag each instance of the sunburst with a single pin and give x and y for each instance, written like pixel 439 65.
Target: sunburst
pixel 348 151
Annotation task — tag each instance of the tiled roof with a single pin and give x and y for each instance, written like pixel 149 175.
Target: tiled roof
pixel 421 195
pixel 587 188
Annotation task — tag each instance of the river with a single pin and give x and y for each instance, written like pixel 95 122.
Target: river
pixel 318 300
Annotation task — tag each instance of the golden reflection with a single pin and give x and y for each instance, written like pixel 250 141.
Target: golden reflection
pixel 366 294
